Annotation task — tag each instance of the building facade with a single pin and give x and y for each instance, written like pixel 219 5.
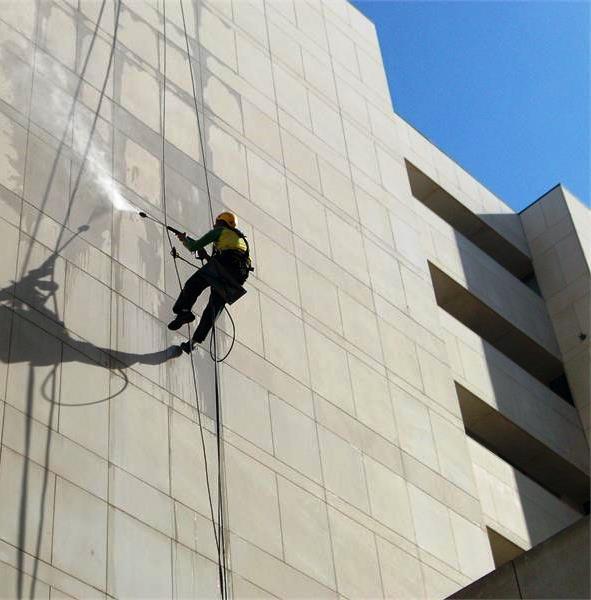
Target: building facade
pixel 407 401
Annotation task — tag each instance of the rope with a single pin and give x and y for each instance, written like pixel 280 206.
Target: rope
pixel 211 350
pixel 222 545
pixel 218 538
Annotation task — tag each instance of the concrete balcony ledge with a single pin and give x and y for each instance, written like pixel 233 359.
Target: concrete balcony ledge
pixel 556 568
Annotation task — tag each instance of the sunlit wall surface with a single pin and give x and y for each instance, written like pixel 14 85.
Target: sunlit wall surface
pixel 396 401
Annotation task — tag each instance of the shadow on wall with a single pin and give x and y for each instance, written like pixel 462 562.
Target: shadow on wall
pixel 39 284
pixel 34 298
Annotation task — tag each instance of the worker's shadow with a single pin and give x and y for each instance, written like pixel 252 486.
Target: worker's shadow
pixel 33 297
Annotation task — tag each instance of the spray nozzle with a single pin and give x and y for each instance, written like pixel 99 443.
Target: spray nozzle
pixel 143 215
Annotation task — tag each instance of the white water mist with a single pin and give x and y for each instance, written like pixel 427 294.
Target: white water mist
pixel 58 109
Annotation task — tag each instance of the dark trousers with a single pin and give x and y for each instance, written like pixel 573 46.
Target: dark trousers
pixel 195 286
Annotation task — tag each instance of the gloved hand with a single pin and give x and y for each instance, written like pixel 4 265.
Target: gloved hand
pixel 181 236
pixel 202 254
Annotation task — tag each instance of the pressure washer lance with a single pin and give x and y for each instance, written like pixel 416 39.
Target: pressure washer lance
pixel 202 254
pixel 144 215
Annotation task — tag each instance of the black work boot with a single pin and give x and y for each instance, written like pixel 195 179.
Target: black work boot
pixel 184 316
pixel 187 347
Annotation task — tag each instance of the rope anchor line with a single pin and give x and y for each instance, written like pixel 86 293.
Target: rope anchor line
pixel 219 531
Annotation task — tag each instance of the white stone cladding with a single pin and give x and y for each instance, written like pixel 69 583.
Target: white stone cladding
pixel 346 466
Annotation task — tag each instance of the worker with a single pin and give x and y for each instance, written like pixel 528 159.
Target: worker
pixel 227 270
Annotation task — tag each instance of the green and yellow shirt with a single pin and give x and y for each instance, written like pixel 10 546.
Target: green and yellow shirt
pixel 222 238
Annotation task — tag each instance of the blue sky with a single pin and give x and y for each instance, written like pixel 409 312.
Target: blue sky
pixel 501 87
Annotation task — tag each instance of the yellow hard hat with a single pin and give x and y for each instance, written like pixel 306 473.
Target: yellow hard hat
pixel 227 217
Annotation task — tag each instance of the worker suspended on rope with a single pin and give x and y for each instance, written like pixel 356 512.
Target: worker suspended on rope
pixel 224 272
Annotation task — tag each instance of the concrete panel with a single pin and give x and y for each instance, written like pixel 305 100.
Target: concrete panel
pixel 253 501
pixel 400 355
pixel 291 95
pixel 142 501
pixel 13 582
pixel 433 526
pixel 329 370
pixel 414 426
pixel 374 217
pixel 146 573
pixel 46 179
pixel 217 37
pixel 278 325
pixel 352 104
pixel 285 48
pixel 249 16
pixel 342 47
pixel 295 439
pixel 194 576
pixel 452 450
pixel 267 188
pixel 373 74
pixel 300 159
pixel 401 573
pixel 319 74
pixel 384 271
pixel 226 157
pixel 274 575
pixel 388 497
pixel 338 188
pixel 471 541
pixel 10 207
pixel 139 246
pixel 277 267
pixel 61 456
pixel 355 556
pixel 309 218
pixel 84 410
pixel 261 130
pixel 248 313
pixel 135 86
pixel 250 416
pixel 361 150
pixel 187 459
pixel 373 405
pixel 326 123
pixel 287 10
pixel 26 493
pixel 23 19
pixel 9 243
pixel 138 440
pixel 181 120
pixel 34 355
pixel 255 66
pixel 138 36
pixel 343 469
pixel 436 584
pixel 80 534
pixel 306 534
pixel 82 295
pixel 360 326
pixel 15 74
pixel 319 297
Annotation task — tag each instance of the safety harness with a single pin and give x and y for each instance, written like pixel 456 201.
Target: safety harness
pixel 241 236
